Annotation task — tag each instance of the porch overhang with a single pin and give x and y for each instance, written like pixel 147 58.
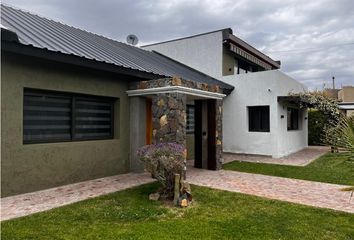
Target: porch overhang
pixel 176 89
pixel 291 99
pixel 346 106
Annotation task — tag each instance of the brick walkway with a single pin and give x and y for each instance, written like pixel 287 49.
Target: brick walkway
pixel 300 158
pixel 310 193
pixel 297 191
pixel 28 203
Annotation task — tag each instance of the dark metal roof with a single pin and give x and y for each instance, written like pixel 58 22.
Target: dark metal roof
pixel 44 33
pixel 228 36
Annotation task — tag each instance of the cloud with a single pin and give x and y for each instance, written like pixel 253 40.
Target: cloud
pixel 304 35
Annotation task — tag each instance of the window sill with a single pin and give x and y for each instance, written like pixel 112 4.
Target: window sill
pixel 260 131
pixel 29 143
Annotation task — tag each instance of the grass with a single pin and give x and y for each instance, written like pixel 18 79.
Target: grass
pixel 335 168
pixel 214 215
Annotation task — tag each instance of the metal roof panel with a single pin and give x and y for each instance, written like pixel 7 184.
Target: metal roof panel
pixel 44 33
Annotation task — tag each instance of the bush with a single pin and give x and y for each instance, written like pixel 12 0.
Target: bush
pixel 316 126
pixel 163 161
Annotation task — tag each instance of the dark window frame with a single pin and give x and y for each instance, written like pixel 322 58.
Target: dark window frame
pixel 294 119
pixel 190 131
pixel 73 97
pixel 262 118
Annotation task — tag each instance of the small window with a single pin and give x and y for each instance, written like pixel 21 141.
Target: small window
pixel 190 119
pixel 293 119
pixel 56 117
pixel 258 119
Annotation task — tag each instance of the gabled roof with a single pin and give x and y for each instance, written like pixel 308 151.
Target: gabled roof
pixel 39 32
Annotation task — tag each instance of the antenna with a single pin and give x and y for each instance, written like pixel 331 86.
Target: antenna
pixel 132 39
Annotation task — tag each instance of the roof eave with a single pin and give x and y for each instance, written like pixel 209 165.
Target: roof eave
pixel 230 37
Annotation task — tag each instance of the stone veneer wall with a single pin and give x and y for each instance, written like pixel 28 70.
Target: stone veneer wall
pixel 219 111
pixel 169 118
pixel 175 81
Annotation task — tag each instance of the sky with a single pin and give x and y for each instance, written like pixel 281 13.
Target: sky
pixel 314 39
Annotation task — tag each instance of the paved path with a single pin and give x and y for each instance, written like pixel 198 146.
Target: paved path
pixel 28 203
pixel 300 158
pixel 291 190
pixel 310 193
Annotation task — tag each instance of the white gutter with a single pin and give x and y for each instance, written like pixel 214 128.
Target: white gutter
pixel 176 89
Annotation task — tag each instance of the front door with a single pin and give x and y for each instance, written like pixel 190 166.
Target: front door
pixel 204 133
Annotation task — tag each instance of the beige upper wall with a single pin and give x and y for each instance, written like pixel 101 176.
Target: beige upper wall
pixel 346 94
pixel 228 63
pixel 30 167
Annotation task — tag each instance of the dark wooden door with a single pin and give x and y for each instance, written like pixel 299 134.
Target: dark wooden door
pixel 211 134
pixel 205 134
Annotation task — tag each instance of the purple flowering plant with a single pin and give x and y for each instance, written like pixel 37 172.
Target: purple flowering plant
pixel 163 161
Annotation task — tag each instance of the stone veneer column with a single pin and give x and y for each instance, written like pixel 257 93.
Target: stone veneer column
pixel 169 118
pixel 218 135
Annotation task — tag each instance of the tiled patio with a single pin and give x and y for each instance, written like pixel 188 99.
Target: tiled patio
pixel 300 158
pixel 28 203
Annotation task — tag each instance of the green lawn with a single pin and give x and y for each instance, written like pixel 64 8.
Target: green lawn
pixel 331 168
pixel 214 215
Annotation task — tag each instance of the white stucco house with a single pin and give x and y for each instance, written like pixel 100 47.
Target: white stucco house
pixel 258 118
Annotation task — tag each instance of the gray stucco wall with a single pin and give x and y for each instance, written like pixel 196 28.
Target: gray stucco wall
pixel 30 167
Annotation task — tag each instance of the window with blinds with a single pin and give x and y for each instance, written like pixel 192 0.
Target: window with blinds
pixel 55 117
pixel 190 119
pixel 258 118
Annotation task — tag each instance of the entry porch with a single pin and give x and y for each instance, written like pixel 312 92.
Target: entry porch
pixel 169 109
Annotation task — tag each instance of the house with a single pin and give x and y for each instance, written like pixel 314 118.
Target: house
pixel 346 100
pixel 258 116
pixel 76 106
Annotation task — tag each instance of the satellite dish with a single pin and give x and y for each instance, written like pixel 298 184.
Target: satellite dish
pixel 132 39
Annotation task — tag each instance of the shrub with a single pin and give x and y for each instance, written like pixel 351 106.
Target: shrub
pixel 316 126
pixel 320 101
pixel 163 161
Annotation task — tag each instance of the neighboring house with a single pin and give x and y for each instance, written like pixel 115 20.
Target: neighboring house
pixel 76 105
pixel 258 116
pixel 331 93
pixel 346 100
